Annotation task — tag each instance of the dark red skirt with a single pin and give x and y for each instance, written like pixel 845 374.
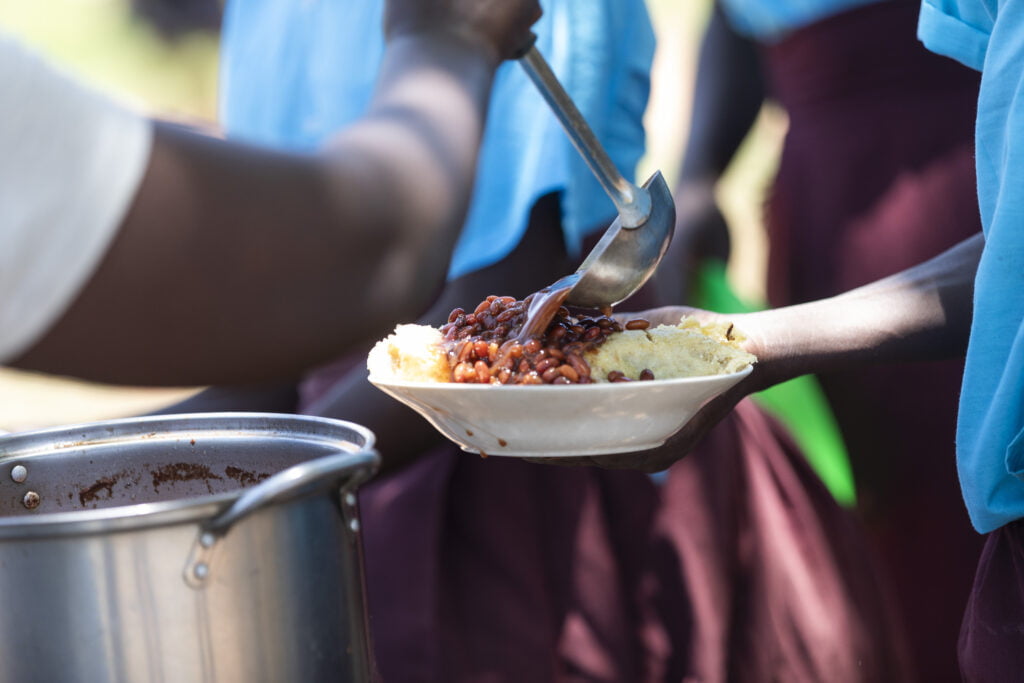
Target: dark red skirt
pixel 739 567
pixel 876 175
pixel 992 639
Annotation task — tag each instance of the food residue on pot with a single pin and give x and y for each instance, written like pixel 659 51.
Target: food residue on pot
pixel 183 471
pixel 91 493
pixel 245 477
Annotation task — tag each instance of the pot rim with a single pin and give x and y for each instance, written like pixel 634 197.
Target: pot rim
pixel 24 446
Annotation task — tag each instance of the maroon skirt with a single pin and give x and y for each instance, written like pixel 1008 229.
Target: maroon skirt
pixel 992 640
pixel 877 175
pixel 739 567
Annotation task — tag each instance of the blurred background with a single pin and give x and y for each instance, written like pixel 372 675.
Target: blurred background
pixel 161 56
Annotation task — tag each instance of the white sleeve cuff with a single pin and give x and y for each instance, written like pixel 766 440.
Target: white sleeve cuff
pixel 70 165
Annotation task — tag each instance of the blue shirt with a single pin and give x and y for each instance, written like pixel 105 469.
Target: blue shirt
pixel 295 71
pixel 989 35
pixel 770 20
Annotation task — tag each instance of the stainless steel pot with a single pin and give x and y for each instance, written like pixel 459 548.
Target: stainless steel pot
pixel 215 547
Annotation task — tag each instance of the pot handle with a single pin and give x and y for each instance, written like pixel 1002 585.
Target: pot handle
pixel 298 481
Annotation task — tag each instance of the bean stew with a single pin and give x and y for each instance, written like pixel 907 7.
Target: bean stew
pixel 507 341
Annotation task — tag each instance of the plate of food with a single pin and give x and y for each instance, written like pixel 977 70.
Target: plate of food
pixel 577 384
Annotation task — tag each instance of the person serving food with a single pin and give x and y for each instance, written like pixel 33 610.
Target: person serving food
pixel 135 251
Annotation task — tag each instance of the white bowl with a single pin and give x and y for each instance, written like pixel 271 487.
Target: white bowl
pixel 559 421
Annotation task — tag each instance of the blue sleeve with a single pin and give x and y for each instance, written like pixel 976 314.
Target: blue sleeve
pixel 956 29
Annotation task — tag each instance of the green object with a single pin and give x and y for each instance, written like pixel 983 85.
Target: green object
pixel 800 403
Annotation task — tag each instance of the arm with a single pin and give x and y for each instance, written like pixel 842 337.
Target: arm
pixel 923 313
pixel 237 264
pixel 271 398
pixel 728 94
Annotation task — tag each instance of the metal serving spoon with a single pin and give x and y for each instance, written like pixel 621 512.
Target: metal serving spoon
pixel 633 245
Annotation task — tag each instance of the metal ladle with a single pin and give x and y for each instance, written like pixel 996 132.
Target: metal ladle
pixel 633 245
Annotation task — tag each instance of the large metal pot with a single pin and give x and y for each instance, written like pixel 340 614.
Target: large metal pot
pixel 216 547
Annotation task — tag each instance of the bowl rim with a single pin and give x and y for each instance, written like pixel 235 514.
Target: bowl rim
pixel 610 386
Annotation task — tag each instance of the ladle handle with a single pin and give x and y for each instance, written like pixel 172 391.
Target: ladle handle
pixel 633 203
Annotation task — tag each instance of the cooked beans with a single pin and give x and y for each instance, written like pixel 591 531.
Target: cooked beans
pixel 483 371
pixel 546 364
pixel 484 346
pixel 550 375
pixel 579 365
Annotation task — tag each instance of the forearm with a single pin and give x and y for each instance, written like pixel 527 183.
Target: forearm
pixel 266 399
pixel 238 264
pixel 416 150
pixel 728 94
pixel 402 434
pixel 727 98
pixel 922 313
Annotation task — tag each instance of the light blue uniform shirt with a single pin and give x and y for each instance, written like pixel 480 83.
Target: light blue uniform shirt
pixel 770 20
pixel 295 71
pixel 989 36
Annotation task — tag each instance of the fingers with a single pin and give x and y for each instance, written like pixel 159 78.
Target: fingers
pixel 682 442
pixel 503 26
pixel 518 36
pixel 674 449
pixel 657 459
pixel 580 461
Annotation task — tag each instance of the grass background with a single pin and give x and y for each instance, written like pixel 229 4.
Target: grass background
pixel 102 42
